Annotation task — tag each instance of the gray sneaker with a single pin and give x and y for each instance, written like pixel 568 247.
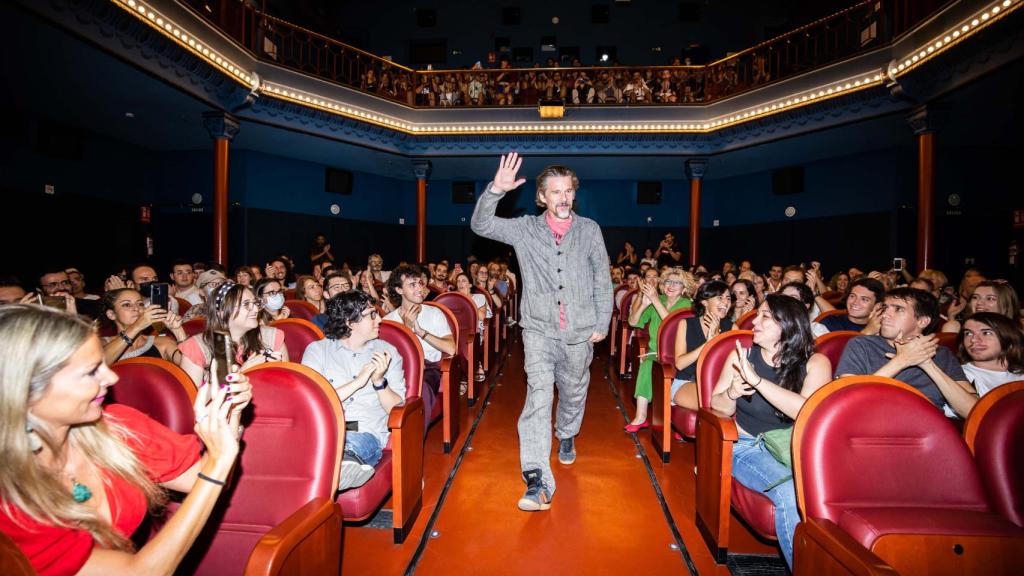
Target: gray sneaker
pixel 354 474
pixel 537 496
pixel 566 451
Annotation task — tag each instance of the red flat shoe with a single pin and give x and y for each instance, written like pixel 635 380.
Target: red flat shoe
pixel 634 428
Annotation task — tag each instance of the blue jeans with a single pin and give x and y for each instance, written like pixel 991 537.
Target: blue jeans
pixel 365 446
pixel 755 467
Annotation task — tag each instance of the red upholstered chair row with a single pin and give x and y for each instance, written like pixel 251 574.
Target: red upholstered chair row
pixel 447 406
pixel 746 321
pixel 883 478
pixel 465 312
pixel 835 298
pixel 158 389
pixel 400 471
pixel 301 309
pixel 298 334
pixel 194 326
pixel 994 433
pixel 833 344
pixel 616 322
pixel 625 331
pixel 828 313
pixel 663 414
pixel 183 306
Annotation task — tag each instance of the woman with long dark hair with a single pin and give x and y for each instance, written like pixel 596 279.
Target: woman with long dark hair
pixel 765 386
pixel 710 318
pixel 744 298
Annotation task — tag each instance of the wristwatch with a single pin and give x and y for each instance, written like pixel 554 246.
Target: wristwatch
pixel 383 385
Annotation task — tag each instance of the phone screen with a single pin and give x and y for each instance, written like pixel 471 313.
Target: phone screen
pixel 897 264
pixel 156 292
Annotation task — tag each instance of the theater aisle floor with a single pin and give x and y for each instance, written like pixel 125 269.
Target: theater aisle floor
pixel 606 516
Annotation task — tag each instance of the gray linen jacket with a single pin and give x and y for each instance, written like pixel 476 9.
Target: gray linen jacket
pixel 574 273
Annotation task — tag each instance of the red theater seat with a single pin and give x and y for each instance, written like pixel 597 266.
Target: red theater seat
pixel 746 321
pixel 613 331
pixel 158 389
pixel 995 434
pixel 828 313
pixel 948 340
pixel 835 298
pixel 298 334
pixel 663 414
pixel 400 470
pixel 301 309
pixel 290 293
pixel 465 312
pixel 875 459
pixel 447 405
pixel 183 306
pixel 625 332
pixel 279 514
pixel 831 345
pixel 194 326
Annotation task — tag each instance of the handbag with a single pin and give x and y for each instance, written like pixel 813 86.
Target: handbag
pixel 779 443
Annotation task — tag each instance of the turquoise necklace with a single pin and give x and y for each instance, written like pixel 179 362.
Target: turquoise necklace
pixel 80 492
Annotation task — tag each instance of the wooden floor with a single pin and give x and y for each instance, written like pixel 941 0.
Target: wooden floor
pixel 606 516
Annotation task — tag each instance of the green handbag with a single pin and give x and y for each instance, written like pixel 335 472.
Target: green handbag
pixel 779 443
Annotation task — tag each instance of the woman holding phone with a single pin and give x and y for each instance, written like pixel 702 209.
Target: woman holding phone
pixel 233 337
pixel 765 386
pixel 133 317
pixel 78 476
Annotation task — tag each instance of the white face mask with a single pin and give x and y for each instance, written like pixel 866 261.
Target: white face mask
pixel 275 302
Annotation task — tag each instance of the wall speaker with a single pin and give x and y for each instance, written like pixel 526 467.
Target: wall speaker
pixel 338 181
pixel 463 192
pixel 788 180
pixel 648 192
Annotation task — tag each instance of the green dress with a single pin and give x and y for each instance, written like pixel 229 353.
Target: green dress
pixel 652 319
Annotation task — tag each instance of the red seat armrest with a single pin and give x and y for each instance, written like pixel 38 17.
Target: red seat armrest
pixel 308 541
pixel 715 434
pixel 406 425
pixel 821 547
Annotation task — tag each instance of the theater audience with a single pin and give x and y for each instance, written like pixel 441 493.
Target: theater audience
pixel 232 332
pixel 774 280
pixel 993 350
pixel 668 253
pixel 320 252
pixel 485 283
pixel 271 296
pixel 11 292
pixel 429 324
pixel 439 279
pixel 55 291
pixel 366 372
pixel 77 477
pixel 277 269
pixel 627 257
pixel 133 318
pixel 77 280
pixel 185 283
pixel 839 282
pixel 863 308
pixel 375 264
pixel 774 377
pixel 309 290
pixel 907 349
pixel 483 313
pixel 744 298
pixel 711 307
pixel 243 276
pixel 207 282
pixel 648 309
pixel 803 294
pixel 988 296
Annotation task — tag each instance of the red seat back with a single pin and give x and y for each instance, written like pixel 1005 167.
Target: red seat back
pixel 453 323
pixel 464 310
pixel 995 433
pixel 291 454
pixel 712 359
pixel 158 389
pixel 183 306
pixel 298 334
pixel 828 313
pixel 868 441
pixel 289 293
pixel 948 341
pixel 301 309
pixel 667 334
pixel 409 347
pixel 616 292
pixel 194 326
pixel 746 321
pixel 833 344
pixel 627 301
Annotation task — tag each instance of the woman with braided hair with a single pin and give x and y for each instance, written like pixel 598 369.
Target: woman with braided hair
pixel 232 330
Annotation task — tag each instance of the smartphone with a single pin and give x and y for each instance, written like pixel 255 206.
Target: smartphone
pixel 897 264
pixel 57 302
pixel 156 292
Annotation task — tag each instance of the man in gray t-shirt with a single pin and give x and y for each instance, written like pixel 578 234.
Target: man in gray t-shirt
pixel 907 350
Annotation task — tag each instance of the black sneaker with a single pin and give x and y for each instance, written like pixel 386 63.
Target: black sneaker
pixel 566 451
pixel 537 496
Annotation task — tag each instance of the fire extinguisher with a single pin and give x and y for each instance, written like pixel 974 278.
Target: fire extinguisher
pixel 1013 253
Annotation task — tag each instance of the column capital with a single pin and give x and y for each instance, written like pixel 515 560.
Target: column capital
pixel 928 119
pixel 422 169
pixel 696 167
pixel 220 125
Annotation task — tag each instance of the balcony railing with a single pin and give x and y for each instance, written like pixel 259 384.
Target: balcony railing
pixel 864 26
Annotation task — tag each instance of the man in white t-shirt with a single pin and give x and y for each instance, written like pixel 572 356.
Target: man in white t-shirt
pixel 996 349
pixel 406 286
pixel 184 278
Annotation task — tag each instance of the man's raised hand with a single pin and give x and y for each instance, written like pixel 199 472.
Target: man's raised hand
pixel 505 178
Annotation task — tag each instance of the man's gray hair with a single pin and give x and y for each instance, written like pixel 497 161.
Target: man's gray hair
pixel 554 170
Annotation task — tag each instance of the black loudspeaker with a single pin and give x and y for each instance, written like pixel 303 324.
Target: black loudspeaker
pixel 788 180
pixel 338 181
pixel 463 192
pixel 648 192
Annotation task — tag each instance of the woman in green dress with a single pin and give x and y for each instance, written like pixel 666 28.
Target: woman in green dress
pixel 649 308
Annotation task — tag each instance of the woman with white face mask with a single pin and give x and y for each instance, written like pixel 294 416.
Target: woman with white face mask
pixel 271 295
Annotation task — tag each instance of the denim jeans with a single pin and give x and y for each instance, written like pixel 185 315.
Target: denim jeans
pixel 755 467
pixel 365 446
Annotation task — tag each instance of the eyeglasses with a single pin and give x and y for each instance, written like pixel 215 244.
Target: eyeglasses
pixel 371 314
pixel 673 283
pixel 249 304
pixel 272 293
pixel 57 284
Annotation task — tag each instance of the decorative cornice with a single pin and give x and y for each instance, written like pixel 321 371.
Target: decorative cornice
pixel 696 167
pixel 421 169
pixel 221 125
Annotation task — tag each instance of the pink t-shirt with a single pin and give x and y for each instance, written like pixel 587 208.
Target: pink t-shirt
pixel 559 228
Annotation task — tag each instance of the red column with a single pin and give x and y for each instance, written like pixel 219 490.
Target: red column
pixel 925 199
pixel 925 122
pixel 695 169
pixel 222 128
pixel 421 169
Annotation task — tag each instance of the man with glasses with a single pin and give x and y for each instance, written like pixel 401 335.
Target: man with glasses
pixel 566 309
pixel 55 286
pixel 429 324
pixel 334 283
pixel 368 376
pixel 183 276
